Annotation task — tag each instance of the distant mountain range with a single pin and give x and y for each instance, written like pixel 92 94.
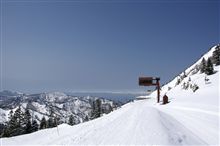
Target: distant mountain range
pixel 41 104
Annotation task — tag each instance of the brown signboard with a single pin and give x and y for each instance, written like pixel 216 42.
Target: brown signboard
pixel 145 81
pixel 150 81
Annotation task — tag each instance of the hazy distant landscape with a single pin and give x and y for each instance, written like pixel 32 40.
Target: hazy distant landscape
pixel 121 97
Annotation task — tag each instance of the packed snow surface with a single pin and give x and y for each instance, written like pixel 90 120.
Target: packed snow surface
pixel 190 118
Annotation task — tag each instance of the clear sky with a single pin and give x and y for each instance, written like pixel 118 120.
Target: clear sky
pixel 100 45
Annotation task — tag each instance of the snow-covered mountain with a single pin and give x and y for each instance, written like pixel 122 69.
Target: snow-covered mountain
pixel 190 118
pixel 41 104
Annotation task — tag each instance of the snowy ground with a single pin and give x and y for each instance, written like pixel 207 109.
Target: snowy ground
pixel 138 123
pixel 191 118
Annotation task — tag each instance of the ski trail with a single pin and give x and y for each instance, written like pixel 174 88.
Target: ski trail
pixel 203 124
pixel 138 125
pixel 178 134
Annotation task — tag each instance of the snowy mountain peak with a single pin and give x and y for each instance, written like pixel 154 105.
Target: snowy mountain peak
pixel 55 96
pixel 61 104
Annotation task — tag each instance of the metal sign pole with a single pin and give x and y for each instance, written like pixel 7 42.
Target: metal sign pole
pixel 158 90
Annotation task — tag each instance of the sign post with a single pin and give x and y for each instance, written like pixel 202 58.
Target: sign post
pixel 150 81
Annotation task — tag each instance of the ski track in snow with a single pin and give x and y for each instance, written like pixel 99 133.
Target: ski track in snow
pixel 143 130
pixel 178 134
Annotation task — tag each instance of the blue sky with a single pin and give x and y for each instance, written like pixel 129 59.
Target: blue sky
pixel 102 45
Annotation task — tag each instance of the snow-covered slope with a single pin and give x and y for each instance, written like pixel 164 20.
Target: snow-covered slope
pixel 63 105
pixel 190 118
